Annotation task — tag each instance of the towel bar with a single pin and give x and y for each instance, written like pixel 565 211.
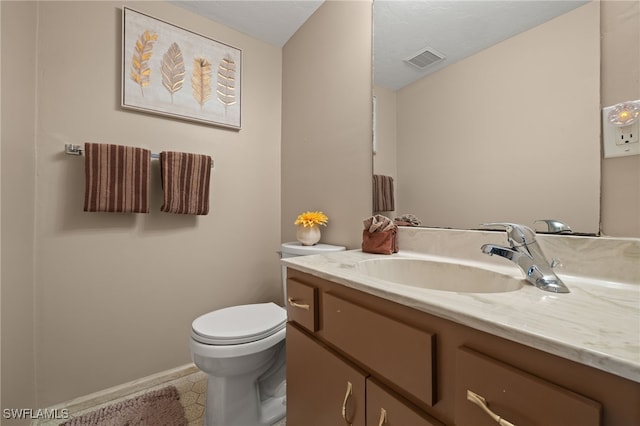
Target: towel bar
pixel 72 149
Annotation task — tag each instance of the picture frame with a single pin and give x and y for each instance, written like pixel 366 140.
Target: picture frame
pixel 171 71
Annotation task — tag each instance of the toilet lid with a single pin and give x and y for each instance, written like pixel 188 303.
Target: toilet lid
pixel 239 324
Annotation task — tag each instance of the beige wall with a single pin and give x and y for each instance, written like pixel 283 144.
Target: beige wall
pixel 327 124
pixel 18 203
pixel 620 27
pixel 115 294
pixel 482 136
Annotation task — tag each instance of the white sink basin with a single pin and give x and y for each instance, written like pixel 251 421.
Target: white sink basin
pixel 435 275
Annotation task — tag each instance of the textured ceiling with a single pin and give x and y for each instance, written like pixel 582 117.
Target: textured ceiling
pixel 402 28
pixel 456 28
pixel 272 21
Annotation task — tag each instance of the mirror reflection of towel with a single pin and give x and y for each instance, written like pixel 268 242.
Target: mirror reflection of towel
pixel 407 220
pixel 383 199
pixel 185 182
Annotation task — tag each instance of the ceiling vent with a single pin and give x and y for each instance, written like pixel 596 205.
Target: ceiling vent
pixel 425 58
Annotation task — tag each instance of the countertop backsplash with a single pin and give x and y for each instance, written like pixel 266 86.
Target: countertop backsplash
pixel 603 258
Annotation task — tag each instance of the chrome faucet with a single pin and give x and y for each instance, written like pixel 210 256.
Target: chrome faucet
pixel 555 226
pixel 525 252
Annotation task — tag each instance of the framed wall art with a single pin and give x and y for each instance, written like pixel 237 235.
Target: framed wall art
pixel 175 72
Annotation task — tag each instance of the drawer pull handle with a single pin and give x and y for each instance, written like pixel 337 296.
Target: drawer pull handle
pixel 297 305
pixel 482 403
pixel 383 416
pixel 344 403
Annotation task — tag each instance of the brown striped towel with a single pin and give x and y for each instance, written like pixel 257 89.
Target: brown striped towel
pixel 116 178
pixel 185 182
pixel 383 199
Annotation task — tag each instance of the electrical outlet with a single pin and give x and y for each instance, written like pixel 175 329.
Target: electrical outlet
pixel 619 141
pixel 627 134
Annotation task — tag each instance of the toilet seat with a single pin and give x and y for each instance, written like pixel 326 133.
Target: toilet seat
pixel 239 324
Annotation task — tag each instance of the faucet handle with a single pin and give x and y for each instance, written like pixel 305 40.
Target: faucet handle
pixel 555 226
pixel 518 235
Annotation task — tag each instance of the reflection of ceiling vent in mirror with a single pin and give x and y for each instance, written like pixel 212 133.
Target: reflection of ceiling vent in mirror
pixel 425 58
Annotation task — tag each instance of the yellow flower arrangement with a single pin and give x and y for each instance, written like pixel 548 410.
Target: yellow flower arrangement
pixel 308 219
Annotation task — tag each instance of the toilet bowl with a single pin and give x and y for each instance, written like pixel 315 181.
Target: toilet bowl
pixel 242 350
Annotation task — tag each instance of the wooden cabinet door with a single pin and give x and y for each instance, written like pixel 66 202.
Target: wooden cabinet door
pixel 322 389
pixel 385 409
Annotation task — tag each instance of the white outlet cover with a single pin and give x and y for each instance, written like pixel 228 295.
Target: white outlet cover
pixel 610 138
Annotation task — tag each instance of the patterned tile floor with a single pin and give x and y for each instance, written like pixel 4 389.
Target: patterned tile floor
pixel 191 387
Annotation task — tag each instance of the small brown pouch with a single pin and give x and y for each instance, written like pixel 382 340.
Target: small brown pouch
pixel 385 242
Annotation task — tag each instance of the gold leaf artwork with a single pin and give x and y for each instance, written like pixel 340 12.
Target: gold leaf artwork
pixel 226 89
pixel 140 71
pixel 173 69
pixel 201 80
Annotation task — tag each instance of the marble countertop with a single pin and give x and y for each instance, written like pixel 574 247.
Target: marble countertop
pixel 597 324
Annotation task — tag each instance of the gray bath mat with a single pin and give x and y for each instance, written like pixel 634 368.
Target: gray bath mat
pixel 156 408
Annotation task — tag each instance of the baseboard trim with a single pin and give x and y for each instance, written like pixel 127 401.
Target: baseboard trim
pixel 101 397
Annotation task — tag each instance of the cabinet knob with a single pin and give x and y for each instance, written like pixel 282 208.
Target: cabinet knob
pixel 293 303
pixel 346 400
pixel 482 403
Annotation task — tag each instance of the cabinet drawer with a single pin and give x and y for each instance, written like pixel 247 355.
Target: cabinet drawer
pixel 516 396
pixel 384 408
pixel 302 304
pixel 400 354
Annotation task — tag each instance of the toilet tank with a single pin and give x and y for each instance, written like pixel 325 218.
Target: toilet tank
pixel 295 248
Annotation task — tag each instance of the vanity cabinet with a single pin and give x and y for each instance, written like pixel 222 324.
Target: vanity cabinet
pixel 325 389
pixel 355 356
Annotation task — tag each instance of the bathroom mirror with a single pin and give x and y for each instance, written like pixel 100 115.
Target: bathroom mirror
pixel 504 128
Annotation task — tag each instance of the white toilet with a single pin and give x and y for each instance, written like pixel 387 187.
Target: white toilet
pixel 242 349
